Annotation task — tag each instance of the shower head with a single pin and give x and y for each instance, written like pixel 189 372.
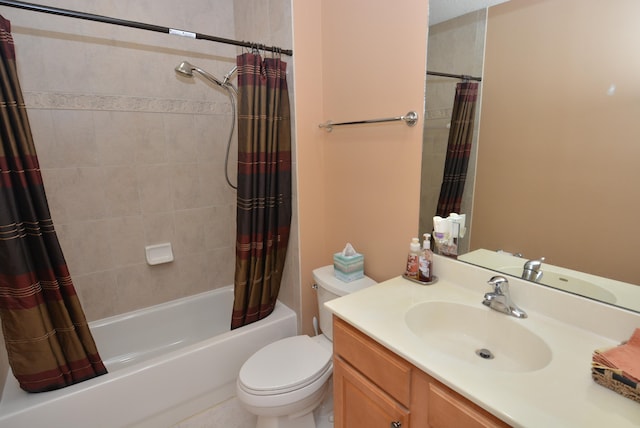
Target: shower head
pixel 186 69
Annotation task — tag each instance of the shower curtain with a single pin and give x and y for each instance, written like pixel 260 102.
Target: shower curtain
pixel 264 186
pixel 458 148
pixel 46 334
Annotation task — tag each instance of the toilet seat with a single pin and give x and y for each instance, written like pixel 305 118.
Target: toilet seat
pixel 286 365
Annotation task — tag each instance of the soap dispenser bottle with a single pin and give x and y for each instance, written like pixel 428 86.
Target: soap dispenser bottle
pixel 413 259
pixel 425 261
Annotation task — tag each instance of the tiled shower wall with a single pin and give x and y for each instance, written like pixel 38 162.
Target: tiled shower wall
pixel 457 47
pixel 133 154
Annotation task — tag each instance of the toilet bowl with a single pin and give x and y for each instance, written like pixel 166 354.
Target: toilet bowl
pixel 284 382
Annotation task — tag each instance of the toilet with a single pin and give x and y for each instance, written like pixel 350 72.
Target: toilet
pixel 287 384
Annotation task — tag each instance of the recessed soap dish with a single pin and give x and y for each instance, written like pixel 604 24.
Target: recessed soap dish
pixel 158 254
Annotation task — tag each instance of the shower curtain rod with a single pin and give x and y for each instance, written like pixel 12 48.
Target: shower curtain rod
pixel 454 76
pixel 139 25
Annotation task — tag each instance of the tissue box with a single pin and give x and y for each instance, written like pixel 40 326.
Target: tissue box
pixel 348 268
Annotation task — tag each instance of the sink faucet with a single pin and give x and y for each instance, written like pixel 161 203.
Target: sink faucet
pixel 532 271
pixel 500 299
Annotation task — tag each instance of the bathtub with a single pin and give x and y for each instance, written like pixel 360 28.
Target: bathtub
pixel 166 363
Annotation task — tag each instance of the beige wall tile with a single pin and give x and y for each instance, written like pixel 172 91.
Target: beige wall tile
pixel 151 147
pixel 116 136
pixel 212 135
pixel 190 231
pixel 72 142
pixel 219 227
pixel 159 227
pixel 155 188
pixel 135 286
pixel 97 293
pixel 121 192
pixel 75 194
pixel 42 130
pixel 214 189
pixel 180 138
pixel 86 246
pixel 192 275
pixel 127 240
pixel 220 266
pixel 186 190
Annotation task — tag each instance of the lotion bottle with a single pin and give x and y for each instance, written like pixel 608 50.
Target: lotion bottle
pixel 425 260
pixel 413 259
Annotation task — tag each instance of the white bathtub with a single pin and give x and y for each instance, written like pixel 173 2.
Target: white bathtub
pixel 165 363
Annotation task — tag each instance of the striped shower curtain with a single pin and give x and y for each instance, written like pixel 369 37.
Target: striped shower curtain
pixel 46 334
pixel 458 148
pixel 264 186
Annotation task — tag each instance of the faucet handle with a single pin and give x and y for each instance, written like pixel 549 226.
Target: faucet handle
pixel 534 265
pixel 500 284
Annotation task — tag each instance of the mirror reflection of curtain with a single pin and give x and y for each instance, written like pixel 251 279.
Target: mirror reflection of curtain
pixel 264 186
pixel 46 333
pixel 458 148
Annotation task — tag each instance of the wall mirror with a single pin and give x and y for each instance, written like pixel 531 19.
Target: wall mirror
pixel 557 146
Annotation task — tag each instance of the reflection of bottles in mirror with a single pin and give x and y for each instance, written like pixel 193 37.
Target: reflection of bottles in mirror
pixel 445 245
pixel 425 261
pixel 413 259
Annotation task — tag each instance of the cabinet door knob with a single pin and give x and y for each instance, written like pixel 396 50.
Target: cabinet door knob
pixel 396 424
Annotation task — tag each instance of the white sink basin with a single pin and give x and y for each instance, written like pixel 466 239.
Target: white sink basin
pixel 567 283
pixel 471 333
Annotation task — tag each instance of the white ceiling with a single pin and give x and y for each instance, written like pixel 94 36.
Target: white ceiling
pixel 443 10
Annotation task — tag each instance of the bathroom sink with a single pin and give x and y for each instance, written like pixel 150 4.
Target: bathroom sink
pixel 478 335
pixel 567 283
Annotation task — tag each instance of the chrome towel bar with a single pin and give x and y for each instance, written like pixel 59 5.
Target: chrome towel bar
pixel 410 119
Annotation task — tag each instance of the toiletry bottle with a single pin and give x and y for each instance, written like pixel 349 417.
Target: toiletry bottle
pixel 413 259
pixel 425 262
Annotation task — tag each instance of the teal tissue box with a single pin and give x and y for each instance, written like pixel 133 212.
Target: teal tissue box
pixel 348 268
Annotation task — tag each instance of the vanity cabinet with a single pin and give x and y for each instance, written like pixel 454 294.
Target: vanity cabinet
pixel 374 387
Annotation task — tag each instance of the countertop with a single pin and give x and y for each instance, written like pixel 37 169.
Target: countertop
pixel 561 394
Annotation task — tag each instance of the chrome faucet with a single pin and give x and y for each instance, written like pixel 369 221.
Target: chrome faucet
pixel 532 271
pixel 500 299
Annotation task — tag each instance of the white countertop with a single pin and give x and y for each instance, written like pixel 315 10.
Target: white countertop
pixel 561 394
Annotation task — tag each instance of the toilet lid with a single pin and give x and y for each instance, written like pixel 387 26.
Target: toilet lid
pixel 285 365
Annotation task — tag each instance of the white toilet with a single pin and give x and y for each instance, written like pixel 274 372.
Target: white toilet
pixel 284 382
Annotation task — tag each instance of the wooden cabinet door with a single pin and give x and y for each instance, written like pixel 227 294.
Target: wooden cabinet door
pixel 359 403
pixel 448 409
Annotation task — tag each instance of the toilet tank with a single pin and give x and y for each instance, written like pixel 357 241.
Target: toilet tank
pixel 329 288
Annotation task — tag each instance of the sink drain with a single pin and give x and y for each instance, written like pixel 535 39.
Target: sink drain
pixel 485 354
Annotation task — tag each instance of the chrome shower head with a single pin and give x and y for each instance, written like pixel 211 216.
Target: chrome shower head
pixel 187 69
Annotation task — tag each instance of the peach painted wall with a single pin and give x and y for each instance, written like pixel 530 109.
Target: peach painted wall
pixel 557 166
pixel 358 184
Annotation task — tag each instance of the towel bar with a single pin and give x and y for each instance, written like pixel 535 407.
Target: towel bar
pixel 411 118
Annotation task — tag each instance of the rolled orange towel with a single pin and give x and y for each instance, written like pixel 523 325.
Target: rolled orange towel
pixel 624 358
